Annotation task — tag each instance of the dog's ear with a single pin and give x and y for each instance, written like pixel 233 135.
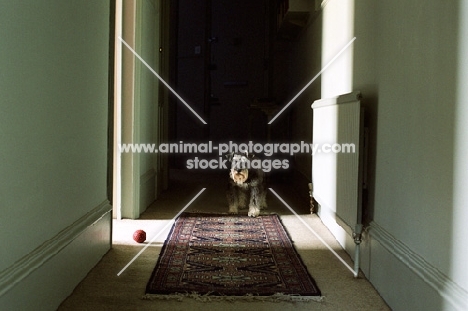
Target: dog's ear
pixel 247 155
pixel 229 156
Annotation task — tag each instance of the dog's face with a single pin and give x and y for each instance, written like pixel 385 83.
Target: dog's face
pixel 240 164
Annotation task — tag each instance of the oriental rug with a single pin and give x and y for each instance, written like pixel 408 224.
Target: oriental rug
pixel 230 257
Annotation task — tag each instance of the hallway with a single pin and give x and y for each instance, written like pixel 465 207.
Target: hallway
pixel 102 289
pixel 58 106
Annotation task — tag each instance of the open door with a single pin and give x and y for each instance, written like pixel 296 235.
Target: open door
pixel 139 106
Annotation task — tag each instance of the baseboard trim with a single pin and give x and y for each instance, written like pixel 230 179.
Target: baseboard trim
pixel 449 290
pixel 35 259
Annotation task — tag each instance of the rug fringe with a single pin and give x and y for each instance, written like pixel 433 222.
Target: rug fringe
pixel 278 297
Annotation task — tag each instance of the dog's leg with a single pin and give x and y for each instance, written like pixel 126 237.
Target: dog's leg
pixel 254 207
pixel 233 201
pixel 263 204
pixel 242 197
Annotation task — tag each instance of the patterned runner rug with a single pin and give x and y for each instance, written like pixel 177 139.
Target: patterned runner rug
pixel 230 257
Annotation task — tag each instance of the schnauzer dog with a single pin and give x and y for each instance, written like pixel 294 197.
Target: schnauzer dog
pixel 245 184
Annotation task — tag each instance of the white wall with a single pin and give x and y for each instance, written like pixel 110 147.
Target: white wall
pixel 409 62
pixel 416 59
pixel 140 108
pixel 148 83
pixel 53 159
pixel 459 229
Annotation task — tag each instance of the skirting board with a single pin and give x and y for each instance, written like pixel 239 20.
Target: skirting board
pixel 447 289
pixel 33 261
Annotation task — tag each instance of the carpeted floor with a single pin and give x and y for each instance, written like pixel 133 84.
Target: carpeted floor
pixel 103 289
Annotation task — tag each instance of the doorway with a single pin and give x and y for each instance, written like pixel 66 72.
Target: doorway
pixel 140 105
pixel 222 67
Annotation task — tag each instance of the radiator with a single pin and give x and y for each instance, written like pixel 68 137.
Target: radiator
pixel 337 177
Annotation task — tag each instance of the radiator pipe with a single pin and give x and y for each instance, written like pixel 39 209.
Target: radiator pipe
pixel 357 236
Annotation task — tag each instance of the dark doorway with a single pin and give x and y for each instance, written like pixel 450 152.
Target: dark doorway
pixel 222 55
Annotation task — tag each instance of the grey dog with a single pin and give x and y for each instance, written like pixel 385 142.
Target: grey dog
pixel 246 185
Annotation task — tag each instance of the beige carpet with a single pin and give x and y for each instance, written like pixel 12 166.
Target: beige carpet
pixel 103 289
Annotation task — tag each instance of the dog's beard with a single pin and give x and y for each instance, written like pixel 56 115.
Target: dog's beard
pixel 239 177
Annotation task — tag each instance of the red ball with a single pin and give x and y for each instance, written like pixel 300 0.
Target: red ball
pixel 139 236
